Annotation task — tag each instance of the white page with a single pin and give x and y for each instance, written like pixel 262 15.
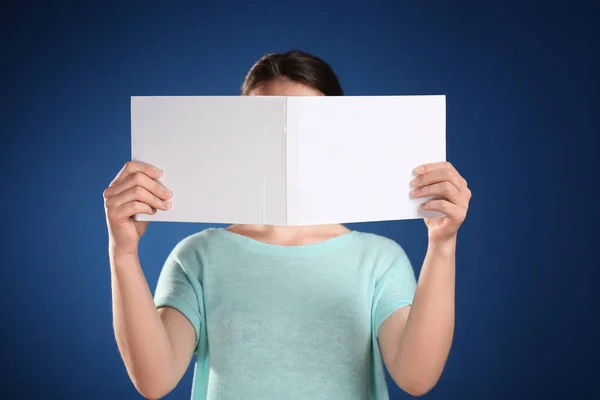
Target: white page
pixel 355 156
pixel 222 156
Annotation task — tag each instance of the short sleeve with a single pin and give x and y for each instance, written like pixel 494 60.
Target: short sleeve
pixel 179 286
pixel 394 289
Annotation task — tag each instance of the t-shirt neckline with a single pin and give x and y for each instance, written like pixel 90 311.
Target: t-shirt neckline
pixel 305 249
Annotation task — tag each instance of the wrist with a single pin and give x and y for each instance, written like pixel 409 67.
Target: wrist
pixel 120 253
pixel 445 247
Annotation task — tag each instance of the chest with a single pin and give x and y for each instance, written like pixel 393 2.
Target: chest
pixel 314 302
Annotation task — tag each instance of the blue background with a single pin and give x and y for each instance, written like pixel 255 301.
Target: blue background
pixel 522 94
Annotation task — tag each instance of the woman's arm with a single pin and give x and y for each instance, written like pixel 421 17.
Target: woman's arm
pixel 156 345
pixel 415 341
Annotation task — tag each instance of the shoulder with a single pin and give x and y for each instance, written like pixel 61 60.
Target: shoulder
pixel 193 253
pixel 197 243
pixel 380 245
pixel 385 254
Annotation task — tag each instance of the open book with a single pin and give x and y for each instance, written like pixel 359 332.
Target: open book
pixel 288 160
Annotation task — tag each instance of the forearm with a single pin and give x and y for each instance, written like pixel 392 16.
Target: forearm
pixel 429 329
pixel 140 334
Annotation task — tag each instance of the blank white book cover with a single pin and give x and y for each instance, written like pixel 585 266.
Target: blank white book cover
pixel 288 160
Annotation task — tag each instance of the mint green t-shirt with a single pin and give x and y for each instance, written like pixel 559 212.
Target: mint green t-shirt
pixel 287 322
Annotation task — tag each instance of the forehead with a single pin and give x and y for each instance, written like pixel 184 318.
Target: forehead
pixel 284 87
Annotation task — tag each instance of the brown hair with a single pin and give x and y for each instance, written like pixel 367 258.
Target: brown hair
pixel 297 66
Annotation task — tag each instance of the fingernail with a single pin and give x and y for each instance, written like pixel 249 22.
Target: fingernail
pixel 416 191
pixel 416 181
pixel 157 172
pixel 167 192
pixel 421 169
pixel 166 204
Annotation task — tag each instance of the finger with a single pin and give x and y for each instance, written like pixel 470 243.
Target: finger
pixel 466 193
pixel 132 208
pixel 425 168
pixel 442 189
pixel 421 169
pixel 137 193
pixel 131 167
pixel 138 179
pixel 437 176
pixel 452 211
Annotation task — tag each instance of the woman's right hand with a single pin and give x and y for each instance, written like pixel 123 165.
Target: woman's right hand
pixel 133 191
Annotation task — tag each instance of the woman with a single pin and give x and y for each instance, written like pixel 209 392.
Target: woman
pixel 284 312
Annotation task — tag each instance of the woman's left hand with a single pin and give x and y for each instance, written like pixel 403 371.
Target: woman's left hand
pixel 452 197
